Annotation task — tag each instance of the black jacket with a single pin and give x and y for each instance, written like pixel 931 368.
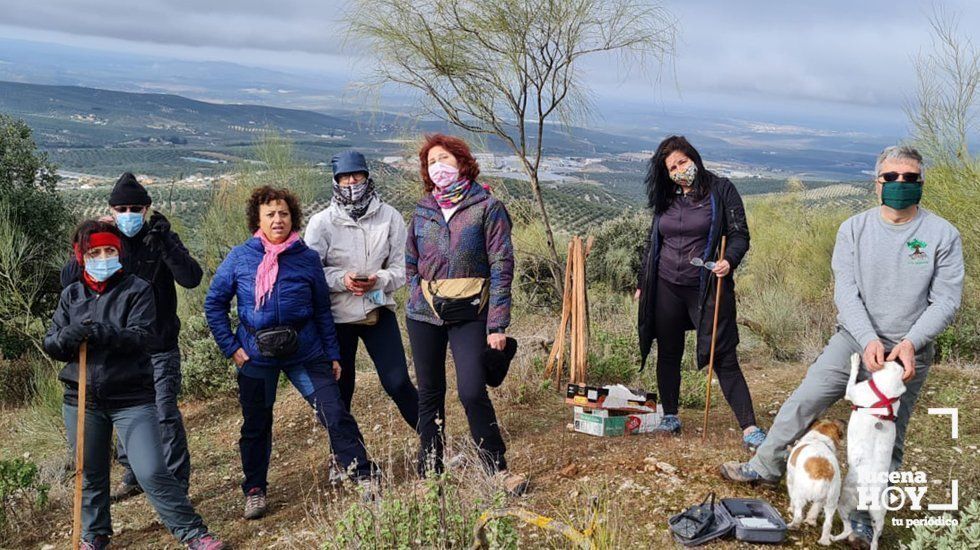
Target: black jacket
pixel 727 218
pixel 120 374
pixel 161 265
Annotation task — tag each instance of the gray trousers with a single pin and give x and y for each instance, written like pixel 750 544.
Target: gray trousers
pixel 139 429
pixel 824 385
pixel 167 380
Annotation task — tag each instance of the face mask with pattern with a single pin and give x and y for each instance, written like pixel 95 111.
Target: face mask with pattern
pixel 685 176
pixel 354 199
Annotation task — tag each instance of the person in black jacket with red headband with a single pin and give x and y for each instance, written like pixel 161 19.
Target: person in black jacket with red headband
pixel 154 253
pixel 114 312
pixel 692 209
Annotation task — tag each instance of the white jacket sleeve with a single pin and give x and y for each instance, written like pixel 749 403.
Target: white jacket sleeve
pixel 392 277
pixel 317 237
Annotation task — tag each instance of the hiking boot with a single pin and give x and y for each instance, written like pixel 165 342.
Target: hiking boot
pixel 670 425
pixel 206 542
pixel 753 439
pixel 124 491
pixel 514 484
pixel 336 475
pixel 370 489
pixel 861 535
pixel 100 542
pixel 255 505
pixel 741 472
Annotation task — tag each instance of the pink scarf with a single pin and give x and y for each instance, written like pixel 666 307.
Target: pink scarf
pixel 265 277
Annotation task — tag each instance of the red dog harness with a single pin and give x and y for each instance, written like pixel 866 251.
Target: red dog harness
pixel 883 402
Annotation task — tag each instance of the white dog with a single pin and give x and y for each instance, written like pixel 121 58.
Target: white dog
pixel 813 475
pixel 870 440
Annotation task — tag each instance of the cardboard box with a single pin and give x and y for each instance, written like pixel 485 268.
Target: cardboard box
pixel 586 421
pixel 605 422
pixel 611 397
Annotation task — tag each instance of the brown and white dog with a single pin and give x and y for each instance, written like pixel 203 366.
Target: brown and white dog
pixel 813 475
pixel 870 441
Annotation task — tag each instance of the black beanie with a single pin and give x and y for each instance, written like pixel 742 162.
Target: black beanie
pixel 128 191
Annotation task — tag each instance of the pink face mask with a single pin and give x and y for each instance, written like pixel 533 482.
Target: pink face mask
pixel 443 175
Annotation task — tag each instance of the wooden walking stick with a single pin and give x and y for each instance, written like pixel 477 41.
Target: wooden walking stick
pixel 76 530
pixel 714 335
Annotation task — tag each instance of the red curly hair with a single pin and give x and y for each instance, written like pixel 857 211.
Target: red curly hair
pixel 468 167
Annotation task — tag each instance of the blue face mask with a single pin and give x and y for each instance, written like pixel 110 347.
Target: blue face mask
pixel 101 270
pixel 129 223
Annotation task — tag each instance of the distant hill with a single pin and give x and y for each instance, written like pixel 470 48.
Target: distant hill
pixel 97 131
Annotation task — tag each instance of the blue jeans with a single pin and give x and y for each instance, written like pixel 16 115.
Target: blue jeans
pixel 824 385
pixel 316 383
pixel 167 381
pixel 384 344
pixel 139 429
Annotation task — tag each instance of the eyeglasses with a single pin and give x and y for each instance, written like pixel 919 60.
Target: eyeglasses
pixel 907 177
pixel 124 209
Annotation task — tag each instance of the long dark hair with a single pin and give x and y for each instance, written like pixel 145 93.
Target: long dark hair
pixel 660 188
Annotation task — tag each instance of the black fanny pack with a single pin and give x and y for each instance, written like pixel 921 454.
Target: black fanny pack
pixel 457 300
pixel 277 342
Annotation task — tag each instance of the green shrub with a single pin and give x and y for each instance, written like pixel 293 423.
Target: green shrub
pixel 618 250
pixel 206 371
pixel 34 225
pixel 15 381
pixel 785 284
pixel 952 190
pixel 21 492
pixel 965 534
pixel 437 516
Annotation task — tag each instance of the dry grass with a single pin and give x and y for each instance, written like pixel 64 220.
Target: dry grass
pixel 567 469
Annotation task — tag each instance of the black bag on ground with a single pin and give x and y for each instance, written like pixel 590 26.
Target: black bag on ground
pixel 695 521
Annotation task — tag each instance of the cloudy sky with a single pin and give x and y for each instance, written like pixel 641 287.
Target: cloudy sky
pixel 834 58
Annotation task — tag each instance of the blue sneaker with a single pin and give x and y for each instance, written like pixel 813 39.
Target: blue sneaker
pixel 670 425
pixel 861 535
pixel 743 473
pixel 754 439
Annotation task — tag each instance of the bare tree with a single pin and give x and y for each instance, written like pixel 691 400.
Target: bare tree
pixel 506 68
pixel 943 112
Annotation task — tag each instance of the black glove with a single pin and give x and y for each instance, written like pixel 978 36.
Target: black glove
pixel 159 230
pixel 103 335
pixel 74 334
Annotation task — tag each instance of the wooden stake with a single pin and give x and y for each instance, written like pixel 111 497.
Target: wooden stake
pixel 579 282
pixel 714 335
pixel 76 531
pixel 556 358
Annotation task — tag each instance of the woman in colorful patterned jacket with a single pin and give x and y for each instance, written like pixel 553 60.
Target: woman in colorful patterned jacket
pixel 459 262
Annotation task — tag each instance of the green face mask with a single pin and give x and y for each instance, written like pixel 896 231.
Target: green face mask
pixel 901 195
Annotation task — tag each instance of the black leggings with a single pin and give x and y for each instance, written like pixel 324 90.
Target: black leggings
pixel 468 341
pixel 384 344
pixel 677 312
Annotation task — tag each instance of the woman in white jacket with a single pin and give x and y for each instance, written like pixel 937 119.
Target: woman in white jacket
pixel 361 241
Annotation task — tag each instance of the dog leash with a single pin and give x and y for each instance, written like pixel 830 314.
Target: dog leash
pixel 883 402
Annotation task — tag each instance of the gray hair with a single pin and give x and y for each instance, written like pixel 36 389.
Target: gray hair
pixel 905 152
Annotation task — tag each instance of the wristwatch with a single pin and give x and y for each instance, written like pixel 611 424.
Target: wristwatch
pixel 498 330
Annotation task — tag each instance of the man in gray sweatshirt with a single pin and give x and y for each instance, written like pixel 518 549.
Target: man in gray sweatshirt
pixel 898 279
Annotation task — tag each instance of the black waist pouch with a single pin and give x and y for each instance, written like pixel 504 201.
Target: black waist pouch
pixel 457 300
pixel 277 342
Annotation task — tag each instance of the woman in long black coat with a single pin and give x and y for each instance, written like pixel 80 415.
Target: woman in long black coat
pixel 692 209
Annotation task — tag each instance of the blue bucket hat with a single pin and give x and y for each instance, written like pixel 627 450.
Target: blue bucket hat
pixel 348 162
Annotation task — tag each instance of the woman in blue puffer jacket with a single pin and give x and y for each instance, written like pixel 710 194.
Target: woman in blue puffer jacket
pixel 285 325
